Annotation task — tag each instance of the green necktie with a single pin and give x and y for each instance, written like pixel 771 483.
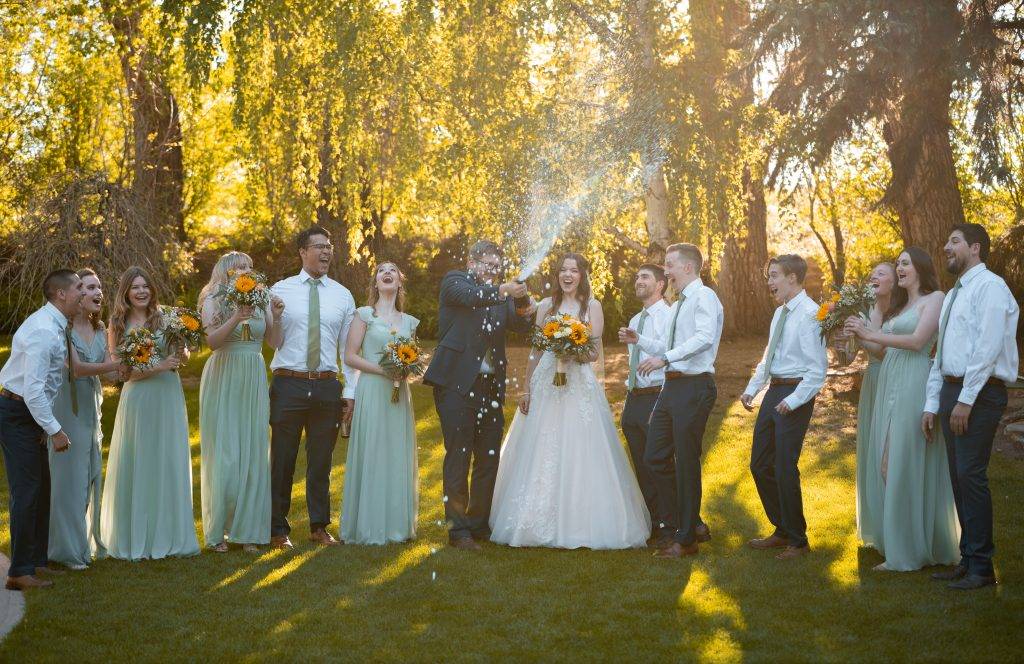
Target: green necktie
pixel 675 317
pixel 71 372
pixel 313 331
pixel 776 338
pixel 634 357
pixel 942 325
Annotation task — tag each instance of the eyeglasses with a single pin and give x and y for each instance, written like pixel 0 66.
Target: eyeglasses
pixel 321 247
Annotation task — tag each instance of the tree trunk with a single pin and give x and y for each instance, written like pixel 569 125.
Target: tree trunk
pixel 652 159
pixel 741 284
pixel 924 191
pixel 158 174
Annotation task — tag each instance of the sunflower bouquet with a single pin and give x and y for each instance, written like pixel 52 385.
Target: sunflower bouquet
pixel 400 359
pixel 181 325
pixel 847 300
pixel 245 289
pixel 137 349
pixel 567 338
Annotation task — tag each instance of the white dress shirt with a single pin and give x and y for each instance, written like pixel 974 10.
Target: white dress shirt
pixel 800 353
pixel 980 336
pixel 699 321
pixel 337 307
pixel 35 369
pixel 655 329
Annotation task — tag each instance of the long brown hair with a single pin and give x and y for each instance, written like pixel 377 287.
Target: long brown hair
pixel 373 295
pixel 582 291
pixel 926 276
pixel 122 306
pixel 97 318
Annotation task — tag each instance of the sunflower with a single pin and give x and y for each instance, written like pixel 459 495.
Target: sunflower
pixel 142 355
pixel 551 329
pixel 407 354
pixel 245 283
pixel 823 311
pixel 835 297
pixel 578 334
pixel 190 323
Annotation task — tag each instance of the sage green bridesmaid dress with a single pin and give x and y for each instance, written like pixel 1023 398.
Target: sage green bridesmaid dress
pixel 869 483
pixel 147 494
pixel 919 524
pixel 76 475
pixel 234 416
pixel 380 498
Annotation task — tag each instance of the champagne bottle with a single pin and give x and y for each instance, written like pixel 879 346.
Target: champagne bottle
pixel 523 302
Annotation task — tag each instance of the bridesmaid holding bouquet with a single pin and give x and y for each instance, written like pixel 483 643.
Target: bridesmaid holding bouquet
pixel 234 404
pixel 147 496
pixel 380 497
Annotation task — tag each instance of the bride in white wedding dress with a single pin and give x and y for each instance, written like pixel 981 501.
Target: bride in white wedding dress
pixel 563 477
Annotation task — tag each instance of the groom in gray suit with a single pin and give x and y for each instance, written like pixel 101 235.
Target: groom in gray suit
pixel 468 376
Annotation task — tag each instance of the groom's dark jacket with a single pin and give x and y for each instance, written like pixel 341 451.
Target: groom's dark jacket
pixel 464 336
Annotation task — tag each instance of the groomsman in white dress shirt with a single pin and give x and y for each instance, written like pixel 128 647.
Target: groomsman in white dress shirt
pixel 793 367
pixel 976 355
pixel 305 394
pixel 642 390
pixel 29 383
pixel 686 353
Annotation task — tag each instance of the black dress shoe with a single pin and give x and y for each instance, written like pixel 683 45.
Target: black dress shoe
pixel 953 574
pixel 972 582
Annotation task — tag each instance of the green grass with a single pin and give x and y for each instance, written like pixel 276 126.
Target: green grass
pixel 423 601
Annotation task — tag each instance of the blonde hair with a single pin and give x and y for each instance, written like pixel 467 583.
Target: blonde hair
pixel 122 305
pixel 233 260
pixel 372 294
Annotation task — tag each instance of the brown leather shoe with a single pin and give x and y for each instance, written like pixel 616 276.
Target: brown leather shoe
pixel 770 542
pixel 465 543
pixel 323 538
pixel 676 550
pixel 791 552
pixel 27 582
pixel 660 542
pixel 280 542
pixel 49 571
pixel 703 533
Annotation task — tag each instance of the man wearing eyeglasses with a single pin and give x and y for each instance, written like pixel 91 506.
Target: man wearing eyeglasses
pixel 468 376
pixel 305 393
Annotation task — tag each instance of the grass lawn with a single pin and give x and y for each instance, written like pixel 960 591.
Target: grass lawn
pixel 423 601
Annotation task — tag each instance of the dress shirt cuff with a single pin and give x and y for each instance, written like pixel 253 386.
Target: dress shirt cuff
pixel 968 394
pixel 931 405
pixel 52 428
pixel 349 391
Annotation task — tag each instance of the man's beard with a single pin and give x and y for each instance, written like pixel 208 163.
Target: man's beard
pixel 954 265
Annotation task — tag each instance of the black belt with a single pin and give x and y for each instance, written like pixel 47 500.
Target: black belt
pixel 959 380
pixel 653 389
pixel 7 394
pixel 785 381
pixel 676 375
pixel 306 375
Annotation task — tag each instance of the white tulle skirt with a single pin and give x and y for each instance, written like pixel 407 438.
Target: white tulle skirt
pixel 564 479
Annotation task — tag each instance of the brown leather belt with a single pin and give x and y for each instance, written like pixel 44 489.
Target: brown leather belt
pixel 676 375
pixel 653 389
pixel 306 375
pixel 959 380
pixel 4 392
pixel 785 381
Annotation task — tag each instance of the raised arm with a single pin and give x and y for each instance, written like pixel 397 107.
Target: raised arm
pixel 106 368
pixel 457 289
pixel 920 338
pixel 534 359
pixel 217 335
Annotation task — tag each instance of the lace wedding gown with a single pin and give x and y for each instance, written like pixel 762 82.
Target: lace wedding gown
pixel 563 479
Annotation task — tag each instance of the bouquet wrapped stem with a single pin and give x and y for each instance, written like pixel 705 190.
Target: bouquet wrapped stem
pixel 561 366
